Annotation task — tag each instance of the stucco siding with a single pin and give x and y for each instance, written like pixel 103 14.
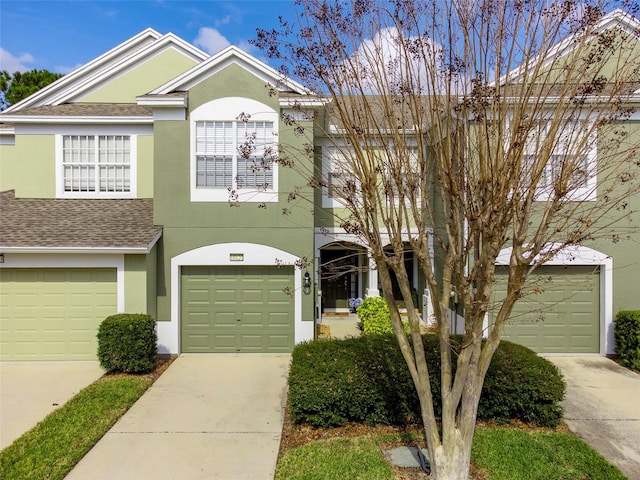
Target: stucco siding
pixel 140 79
pixel 145 166
pixel 29 166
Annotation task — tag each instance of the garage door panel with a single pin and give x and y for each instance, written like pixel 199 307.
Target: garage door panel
pixel 224 342
pixel 54 314
pixel 223 319
pixel 247 308
pixel 559 311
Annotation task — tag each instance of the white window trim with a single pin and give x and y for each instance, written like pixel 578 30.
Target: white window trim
pixel 133 168
pixel 228 109
pixel 329 201
pixel 588 192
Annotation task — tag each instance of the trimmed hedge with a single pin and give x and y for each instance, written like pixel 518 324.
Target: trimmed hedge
pixel 627 335
pixel 127 343
pixel 365 380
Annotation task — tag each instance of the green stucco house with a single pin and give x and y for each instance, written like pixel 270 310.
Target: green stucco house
pixel 123 190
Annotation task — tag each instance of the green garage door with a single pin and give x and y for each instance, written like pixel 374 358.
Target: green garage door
pixel 54 314
pixel 237 309
pixel 560 312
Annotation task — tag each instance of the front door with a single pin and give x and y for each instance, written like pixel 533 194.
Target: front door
pixel 339 278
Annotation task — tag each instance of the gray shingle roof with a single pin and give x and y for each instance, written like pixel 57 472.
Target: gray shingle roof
pixel 87 110
pixel 76 223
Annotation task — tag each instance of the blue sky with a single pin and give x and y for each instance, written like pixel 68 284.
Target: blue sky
pixel 61 35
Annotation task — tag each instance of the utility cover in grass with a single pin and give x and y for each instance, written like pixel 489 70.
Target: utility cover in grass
pixel 408 457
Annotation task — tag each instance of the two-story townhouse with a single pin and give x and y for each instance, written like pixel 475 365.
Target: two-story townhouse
pixel 124 191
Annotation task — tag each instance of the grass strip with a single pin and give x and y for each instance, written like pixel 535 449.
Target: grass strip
pixel 498 454
pixel 52 448
pixel 512 454
pixel 357 458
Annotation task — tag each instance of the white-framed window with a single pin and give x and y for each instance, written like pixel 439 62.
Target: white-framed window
pixel 572 157
pixel 234 151
pixel 342 183
pixel 96 166
pixel 235 155
pixel 409 171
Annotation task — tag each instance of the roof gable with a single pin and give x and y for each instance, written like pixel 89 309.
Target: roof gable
pixel 222 59
pixel 618 18
pixel 108 66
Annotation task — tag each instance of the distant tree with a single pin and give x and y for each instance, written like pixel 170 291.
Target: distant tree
pixel 14 88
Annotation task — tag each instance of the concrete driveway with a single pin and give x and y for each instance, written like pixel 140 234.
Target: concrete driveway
pixel 209 416
pixel 29 391
pixel 601 407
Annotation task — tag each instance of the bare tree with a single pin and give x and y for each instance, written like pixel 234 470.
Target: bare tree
pixel 471 124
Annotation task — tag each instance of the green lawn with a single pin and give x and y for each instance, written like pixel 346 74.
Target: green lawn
pixel 52 448
pixel 501 453
pixel 342 458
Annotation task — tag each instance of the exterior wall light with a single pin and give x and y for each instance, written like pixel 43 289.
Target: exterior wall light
pixel 306 283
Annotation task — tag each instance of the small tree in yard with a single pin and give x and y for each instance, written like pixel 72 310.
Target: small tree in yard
pixel 470 124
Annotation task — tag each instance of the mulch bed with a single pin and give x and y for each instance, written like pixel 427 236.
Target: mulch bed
pixel 162 363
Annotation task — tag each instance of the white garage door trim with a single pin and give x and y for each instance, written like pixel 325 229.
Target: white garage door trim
pixel 221 255
pixel 62 260
pixel 579 255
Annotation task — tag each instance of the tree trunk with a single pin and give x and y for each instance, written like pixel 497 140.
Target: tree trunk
pixel 452 459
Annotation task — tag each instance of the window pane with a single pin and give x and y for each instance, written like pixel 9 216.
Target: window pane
pixel 214 172
pixel 79 178
pixel 255 173
pixel 255 140
pixel 114 157
pixel 78 149
pixel 214 138
pixel 342 184
pixel 78 161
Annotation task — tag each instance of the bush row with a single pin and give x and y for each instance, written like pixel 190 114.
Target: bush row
pixel 366 380
pixel 627 335
pixel 127 343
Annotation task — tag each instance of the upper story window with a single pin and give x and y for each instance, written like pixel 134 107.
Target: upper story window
pixel 234 151
pixel 342 184
pixel 572 159
pixel 96 165
pixel 234 155
pixel 341 181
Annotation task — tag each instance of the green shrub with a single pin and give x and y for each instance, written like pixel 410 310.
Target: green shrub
pixel 366 380
pixel 627 335
pixel 128 343
pixel 375 317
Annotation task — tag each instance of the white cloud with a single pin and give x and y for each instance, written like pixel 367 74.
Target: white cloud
pixel 12 64
pixel 381 63
pixel 211 40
